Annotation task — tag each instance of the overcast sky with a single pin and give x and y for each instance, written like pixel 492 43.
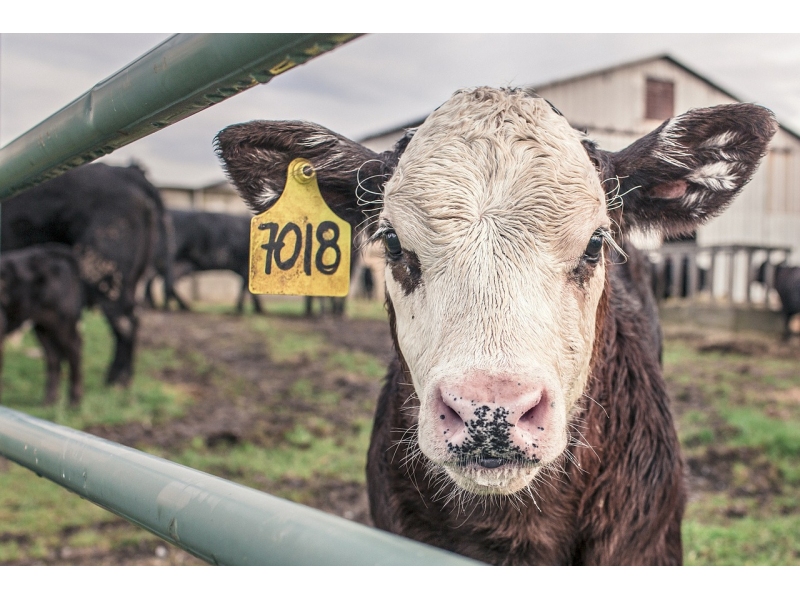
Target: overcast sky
pixel 375 82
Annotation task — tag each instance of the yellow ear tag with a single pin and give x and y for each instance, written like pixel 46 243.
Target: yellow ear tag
pixel 299 246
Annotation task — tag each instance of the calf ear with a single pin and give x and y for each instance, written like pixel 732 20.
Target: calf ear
pixel 690 168
pixel 256 156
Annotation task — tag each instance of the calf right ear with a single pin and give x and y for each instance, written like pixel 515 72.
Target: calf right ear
pixel 690 168
pixel 256 156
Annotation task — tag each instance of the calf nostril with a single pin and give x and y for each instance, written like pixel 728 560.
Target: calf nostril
pixel 529 414
pixel 447 414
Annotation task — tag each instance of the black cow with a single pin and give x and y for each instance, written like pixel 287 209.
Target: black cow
pixel 205 241
pixel 112 217
pixel 42 283
pixel 787 284
pixel 662 278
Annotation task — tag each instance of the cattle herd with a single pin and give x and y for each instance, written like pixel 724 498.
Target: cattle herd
pixel 524 418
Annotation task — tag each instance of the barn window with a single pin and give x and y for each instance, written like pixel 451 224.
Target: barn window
pixel 659 99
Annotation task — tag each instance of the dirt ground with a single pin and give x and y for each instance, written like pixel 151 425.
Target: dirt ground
pixel 751 370
pixel 241 395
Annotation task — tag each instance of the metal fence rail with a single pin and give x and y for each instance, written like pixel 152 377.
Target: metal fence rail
pixel 178 78
pixel 214 519
pixel 219 521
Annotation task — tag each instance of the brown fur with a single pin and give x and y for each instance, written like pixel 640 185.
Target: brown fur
pixel 622 506
pixel 621 500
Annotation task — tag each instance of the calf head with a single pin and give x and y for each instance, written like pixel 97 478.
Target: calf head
pixel 497 219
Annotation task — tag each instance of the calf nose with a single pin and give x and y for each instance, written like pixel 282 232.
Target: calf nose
pixel 492 417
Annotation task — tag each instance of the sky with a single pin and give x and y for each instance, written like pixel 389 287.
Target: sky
pixel 375 82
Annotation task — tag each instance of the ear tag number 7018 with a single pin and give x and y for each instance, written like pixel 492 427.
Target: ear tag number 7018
pixel 299 246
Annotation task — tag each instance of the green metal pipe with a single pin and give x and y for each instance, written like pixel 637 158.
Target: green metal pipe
pixel 219 521
pixel 181 76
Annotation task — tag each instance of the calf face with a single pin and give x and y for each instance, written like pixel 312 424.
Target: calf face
pixel 497 218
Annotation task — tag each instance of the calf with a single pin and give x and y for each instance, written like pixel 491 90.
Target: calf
pixel 42 284
pixel 524 419
pixel 112 217
pixel 205 241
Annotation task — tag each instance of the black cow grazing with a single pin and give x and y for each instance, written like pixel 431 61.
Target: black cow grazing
pixel 112 217
pixel 525 419
pixel 42 284
pixel 206 241
pixel 787 283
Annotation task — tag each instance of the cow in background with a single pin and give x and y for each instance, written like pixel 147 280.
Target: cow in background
pixel 112 217
pixel 204 241
pixel 786 282
pixel 42 284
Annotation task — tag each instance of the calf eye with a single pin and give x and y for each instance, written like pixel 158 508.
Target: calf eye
pixel 392 244
pixel 594 248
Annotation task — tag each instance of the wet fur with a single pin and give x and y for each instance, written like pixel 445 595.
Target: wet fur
pixel 616 495
pixel 620 501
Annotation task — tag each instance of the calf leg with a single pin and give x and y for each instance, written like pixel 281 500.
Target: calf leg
pixel 124 325
pixel 182 304
pixel 2 344
pixel 256 304
pixel 148 293
pixel 71 346
pixel 240 299
pixel 52 356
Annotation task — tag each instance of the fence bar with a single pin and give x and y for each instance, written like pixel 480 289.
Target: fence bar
pixel 214 519
pixel 178 78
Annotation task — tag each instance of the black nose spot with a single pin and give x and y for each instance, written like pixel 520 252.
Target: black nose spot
pixel 491 463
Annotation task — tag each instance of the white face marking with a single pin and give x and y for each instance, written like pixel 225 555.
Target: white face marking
pixel 497 198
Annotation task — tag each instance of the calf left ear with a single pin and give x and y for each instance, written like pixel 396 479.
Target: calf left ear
pixel 690 168
pixel 256 156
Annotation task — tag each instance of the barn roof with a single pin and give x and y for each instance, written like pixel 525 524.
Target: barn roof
pixel 575 78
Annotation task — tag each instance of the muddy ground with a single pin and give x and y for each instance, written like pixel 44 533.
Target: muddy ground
pixel 243 397
pixel 240 395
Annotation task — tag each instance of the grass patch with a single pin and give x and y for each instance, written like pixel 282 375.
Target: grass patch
pixel 304 455
pixel 746 541
pixel 34 513
pixel 147 400
pixel 358 363
pixel 779 439
pixel 737 427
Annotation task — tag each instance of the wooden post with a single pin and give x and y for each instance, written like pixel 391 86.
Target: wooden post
pixel 749 277
pixel 729 282
pixel 712 272
pixel 677 275
pixel 692 266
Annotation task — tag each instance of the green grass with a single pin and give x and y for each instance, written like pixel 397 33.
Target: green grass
pixel 777 438
pixel 741 407
pixel 303 455
pixel 738 411
pixel 747 541
pixel 38 519
pixel 39 512
pixel 148 400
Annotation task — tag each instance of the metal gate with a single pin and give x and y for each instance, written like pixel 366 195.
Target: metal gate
pixel 214 519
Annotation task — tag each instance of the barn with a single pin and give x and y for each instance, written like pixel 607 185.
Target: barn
pixel 619 104
pixel 616 106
